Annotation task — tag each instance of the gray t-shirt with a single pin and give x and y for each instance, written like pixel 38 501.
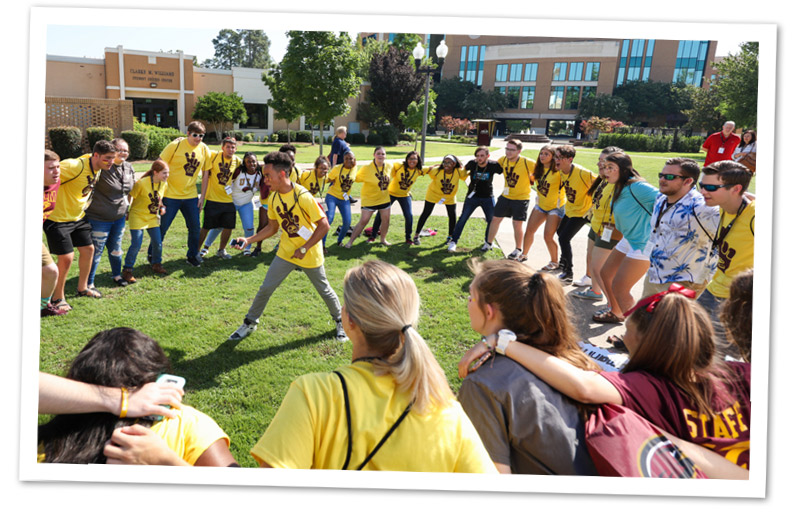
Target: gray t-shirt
pixel 523 422
pixel 109 200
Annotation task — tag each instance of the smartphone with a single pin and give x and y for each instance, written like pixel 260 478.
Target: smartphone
pixel 236 241
pixel 474 367
pixel 166 378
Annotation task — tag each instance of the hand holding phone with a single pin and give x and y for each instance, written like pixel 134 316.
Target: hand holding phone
pixel 178 381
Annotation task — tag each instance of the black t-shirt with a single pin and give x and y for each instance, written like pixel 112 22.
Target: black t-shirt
pixel 481 177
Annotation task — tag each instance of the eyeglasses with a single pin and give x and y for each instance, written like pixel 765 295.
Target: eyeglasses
pixel 672 177
pixel 711 188
pixel 197 135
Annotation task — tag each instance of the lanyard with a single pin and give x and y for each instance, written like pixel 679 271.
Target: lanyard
pixel 723 232
pixel 381 176
pixel 664 208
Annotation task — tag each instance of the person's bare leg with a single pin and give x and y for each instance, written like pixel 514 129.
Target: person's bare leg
pixel 366 215
pixel 385 214
pixel 550 228
pixel 607 273
pixel 63 263
pixel 536 219
pixel 49 280
pixel 599 257
pixel 493 228
pixel 223 239
pixel 518 232
pixel 589 248
pixel 629 272
pixel 85 258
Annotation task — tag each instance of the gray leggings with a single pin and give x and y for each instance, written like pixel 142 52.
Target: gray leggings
pixel 278 270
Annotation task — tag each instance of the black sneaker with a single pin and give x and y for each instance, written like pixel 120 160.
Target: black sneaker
pixel 341 336
pixel 193 261
pixel 565 277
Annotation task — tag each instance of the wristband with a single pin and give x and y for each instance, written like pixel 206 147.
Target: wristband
pixel 503 338
pixel 123 410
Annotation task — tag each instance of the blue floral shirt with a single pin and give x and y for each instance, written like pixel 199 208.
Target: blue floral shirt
pixel 682 240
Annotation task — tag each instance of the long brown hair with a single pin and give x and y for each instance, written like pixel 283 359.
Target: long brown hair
pixel 736 313
pixel 538 169
pixel 626 172
pixel 158 165
pixel 676 342
pixel 532 305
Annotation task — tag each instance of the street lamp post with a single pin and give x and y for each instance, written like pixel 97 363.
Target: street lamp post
pixel 419 53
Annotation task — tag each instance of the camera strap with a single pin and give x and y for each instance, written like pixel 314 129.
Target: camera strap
pixel 350 432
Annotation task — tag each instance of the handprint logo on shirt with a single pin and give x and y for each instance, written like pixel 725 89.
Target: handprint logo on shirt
pixel 289 223
pixel 543 187
pixel 155 200
pixel 192 163
pixel 405 179
pixel 313 188
pixel 597 196
pixel 447 186
pixel 512 178
pixel 224 173
pixel 571 193
pixel 383 181
pixel 726 254
pixel 346 182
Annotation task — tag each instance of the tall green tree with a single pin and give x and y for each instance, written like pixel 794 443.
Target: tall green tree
pixel 406 41
pixel 394 83
pixel 603 106
pixel 255 49
pixel 412 117
pixel 704 112
pixel 652 102
pixel 228 50
pixel 463 99
pixel 320 73
pixel 737 85
pixel 218 108
pixel 283 105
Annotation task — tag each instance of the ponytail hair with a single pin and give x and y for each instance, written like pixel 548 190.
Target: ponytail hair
pixel 626 171
pixel 532 305
pixel 538 169
pixel 158 165
pixel 383 302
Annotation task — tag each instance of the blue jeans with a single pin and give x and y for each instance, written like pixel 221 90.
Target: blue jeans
pixel 191 215
pixel 332 203
pixel 107 235
pixel 471 204
pixel 137 235
pixel 405 205
pixel 245 215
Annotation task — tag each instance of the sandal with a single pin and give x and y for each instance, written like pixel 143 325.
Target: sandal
pixel 90 292
pixel 617 343
pixel 608 318
pixel 522 258
pixel 550 267
pixel 60 304
pixel 603 310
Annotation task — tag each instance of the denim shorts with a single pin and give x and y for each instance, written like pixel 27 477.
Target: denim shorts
pixel 555 211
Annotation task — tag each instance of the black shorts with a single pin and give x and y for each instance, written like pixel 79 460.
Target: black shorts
pixel 517 210
pixel 64 237
pixel 219 215
pixel 599 242
pixel 378 207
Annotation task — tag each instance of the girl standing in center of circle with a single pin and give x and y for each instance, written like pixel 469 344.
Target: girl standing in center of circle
pixel 442 190
pixel 374 195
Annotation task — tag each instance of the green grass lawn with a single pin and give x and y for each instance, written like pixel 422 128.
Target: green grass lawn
pixel 191 312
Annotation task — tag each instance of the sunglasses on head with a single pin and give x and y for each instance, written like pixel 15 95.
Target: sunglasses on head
pixel 671 177
pixel 197 135
pixel 711 188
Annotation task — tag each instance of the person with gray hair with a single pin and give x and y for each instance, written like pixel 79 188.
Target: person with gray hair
pixel 720 146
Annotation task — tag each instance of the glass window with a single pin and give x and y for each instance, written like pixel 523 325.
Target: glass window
pixel 589 91
pixel 592 72
pixel 500 89
pixel 648 59
pixel 690 62
pixel 531 70
pixel 501 75
pixel 556 97
pixel 527 97
pixel 513 97
pixel 623 62
pixel 256 117
pixel 560 71
pixel 575 71
pixel 480 66
pixel 516 72
pixel 463 64
pixel 572 97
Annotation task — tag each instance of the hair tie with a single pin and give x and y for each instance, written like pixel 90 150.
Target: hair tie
pixel 651 302
pixel 405 328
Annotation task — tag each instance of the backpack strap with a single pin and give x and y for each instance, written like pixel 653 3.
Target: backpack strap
pixel 349 424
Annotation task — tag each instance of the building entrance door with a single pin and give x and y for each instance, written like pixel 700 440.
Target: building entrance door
pixel 158 112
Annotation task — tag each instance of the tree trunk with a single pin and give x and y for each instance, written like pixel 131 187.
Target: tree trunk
pixel 321 150
pixel 288 132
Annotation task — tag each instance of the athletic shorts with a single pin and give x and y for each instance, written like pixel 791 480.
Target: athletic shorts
pixel 47 259
pixel 555 211
pixel 517 210
pixel 64 237
pixel 624 247
pixel 219 215
pixel 600 243
pixel 378 207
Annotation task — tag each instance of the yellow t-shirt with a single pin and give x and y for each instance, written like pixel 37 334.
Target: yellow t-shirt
pixel 147 196
pixel 601 202
pixel 443 185
pixel 77 182
pixel 294 174
pixel 185 163
pixel 376 184
pixel 341 180
pixel 517 177
pixel 311 182
pixel 402 180
pixel 309 430
pixel 220 176
pixel 736 251
pixel 297 212
pixel 550 194
pixel 188 434
pixel 576 184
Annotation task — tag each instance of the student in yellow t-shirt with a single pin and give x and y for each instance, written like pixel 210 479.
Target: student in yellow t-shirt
pixel 442 190
pixel 425 428
pixel 724 184
pixel 66 227
pixel 314 180
pixel 341 179
pixel 549 207
pixel 138 360
pixel 374 195
pixel 517 172
pixel 186 158
pixel 294 172
pixel 216 197
pixel 146 209
pixel 577 181
pixel 404 175
pixel 303 224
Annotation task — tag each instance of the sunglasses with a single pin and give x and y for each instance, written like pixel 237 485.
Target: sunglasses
pixel 197 135
pixel 672 177
pixel 711 188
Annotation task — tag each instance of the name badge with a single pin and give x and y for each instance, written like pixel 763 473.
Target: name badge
pixel 606 234
pixel 304 233
pixel 721 150
pixel 648 249
pixel 441 201
pixel 505 191
pixel 346 197
pixel 228 189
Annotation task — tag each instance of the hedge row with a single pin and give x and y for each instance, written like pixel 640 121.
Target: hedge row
pixel 646 143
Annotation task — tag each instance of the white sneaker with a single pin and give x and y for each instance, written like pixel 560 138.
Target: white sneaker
pixel 341 336
pixel 487 247
pixel 222 253
pixel 244 330
pixel 203 252
pixel 514 254
pixel 451 247
pixel 585 281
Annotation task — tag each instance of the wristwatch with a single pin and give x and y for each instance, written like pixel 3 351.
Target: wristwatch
pixel 503 338
pixel 303 250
